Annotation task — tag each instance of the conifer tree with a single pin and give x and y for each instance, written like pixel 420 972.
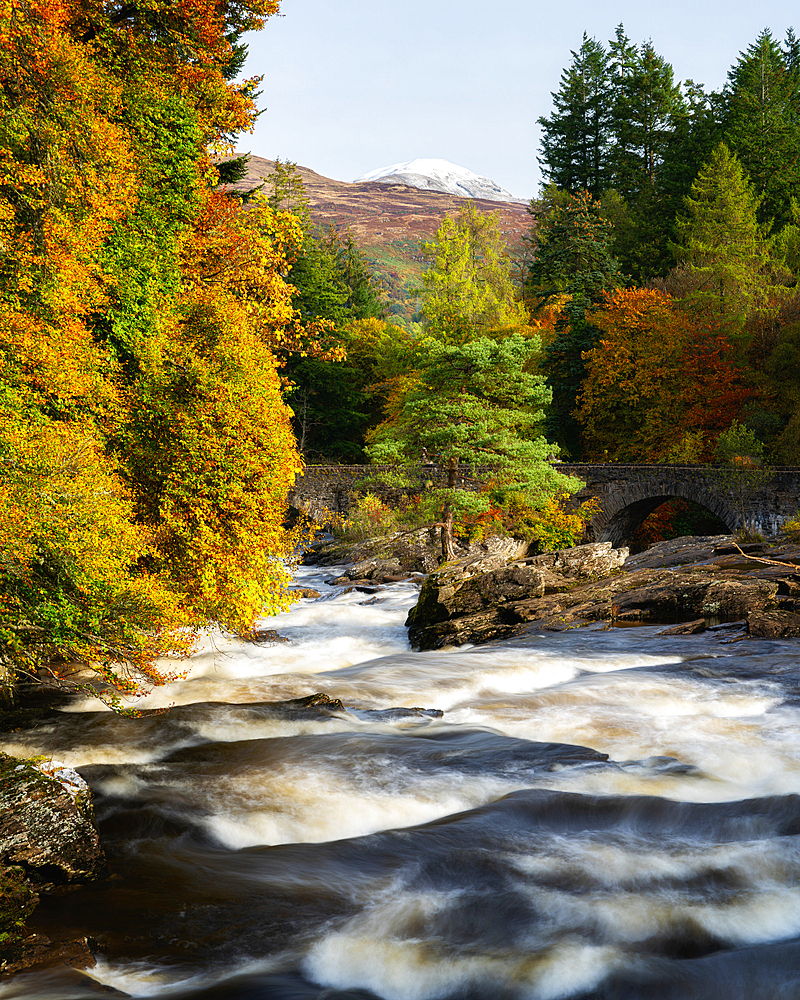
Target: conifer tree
pixel 762 124
pixel 576 137
pixel 572 258
pixel 722 241
pixel 473 404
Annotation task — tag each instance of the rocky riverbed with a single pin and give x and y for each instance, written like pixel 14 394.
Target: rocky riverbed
pixel 497 590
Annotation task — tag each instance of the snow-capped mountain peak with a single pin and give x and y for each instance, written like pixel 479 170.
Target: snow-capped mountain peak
pixel 439 175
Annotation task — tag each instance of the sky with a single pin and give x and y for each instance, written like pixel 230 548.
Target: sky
pixel 352 86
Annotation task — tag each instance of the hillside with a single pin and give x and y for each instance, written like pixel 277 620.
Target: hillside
pixel 389 221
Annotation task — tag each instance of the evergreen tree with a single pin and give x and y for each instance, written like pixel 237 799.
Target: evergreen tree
pixel 576 138
pixel 474 404
pixel 762 123
pixel 722 241
pixel 623 59
pixel 572 257
pixel 654 101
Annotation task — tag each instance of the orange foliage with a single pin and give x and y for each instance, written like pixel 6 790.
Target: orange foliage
pixel 145 447
pixel 655 374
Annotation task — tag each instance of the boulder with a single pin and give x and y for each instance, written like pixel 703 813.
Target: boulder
pixel 773 624
pixel 46 824
pixel 694 595
pixel 478 586
pixel 583 562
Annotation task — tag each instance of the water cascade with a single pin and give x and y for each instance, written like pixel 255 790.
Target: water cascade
pixel 597 813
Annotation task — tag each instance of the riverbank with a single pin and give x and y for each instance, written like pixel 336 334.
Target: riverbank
pixel 687 584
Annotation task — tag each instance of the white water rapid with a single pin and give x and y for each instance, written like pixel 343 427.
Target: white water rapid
pixel 597 814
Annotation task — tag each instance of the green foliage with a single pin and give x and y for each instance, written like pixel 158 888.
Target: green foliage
pixel 722 241
pixel 467 289
pixel 576 137
pixel 473 404
pixel 17 903
pixel 761 125
pixel 572 258
pixel 370 517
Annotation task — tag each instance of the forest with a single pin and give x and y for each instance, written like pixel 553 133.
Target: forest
pixel 171 352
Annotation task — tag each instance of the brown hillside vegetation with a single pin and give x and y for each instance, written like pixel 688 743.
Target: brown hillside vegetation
pixel 388 221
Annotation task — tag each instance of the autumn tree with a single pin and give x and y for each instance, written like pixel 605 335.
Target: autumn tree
pixel 572 262
pixel 467 289
pixel 659 382
pixel 473 404
pixel 146 450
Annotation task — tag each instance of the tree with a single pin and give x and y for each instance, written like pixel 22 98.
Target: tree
pixel 659 382
pixel 473 404
pixel 722 241
pixel 145 450
pixel 762 124
pixel 576 138
pixel 572 259
pixel 467 289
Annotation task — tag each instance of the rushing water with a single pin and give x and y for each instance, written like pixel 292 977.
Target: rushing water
pixel 589 814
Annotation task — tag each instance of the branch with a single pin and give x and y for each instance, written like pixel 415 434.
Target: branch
pixel 770 562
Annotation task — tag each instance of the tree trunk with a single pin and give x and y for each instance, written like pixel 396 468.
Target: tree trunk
pixel 448 549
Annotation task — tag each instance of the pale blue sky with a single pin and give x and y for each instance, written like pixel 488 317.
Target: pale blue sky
pixel 360 84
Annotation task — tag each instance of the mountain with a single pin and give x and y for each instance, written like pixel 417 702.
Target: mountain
pixel 389 222
pixel 439 175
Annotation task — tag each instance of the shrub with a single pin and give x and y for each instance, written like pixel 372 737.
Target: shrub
pixel 369 517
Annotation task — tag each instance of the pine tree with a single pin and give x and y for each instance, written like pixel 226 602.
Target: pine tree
pixel 473 404
pixel 575 138
pixel 762 124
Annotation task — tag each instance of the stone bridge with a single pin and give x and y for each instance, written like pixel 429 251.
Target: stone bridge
pixel 627 493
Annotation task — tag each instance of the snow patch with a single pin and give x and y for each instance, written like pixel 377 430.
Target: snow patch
pixel 439 175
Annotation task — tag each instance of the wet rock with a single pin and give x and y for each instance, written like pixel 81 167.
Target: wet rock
pixel 369 569
pixel 774 624
pixel 696 595
pixel 47 827
pixel 37 951
pixel 303 706
pixel 463 592
pixel 305 592
pixel 264 635
pixel 686 628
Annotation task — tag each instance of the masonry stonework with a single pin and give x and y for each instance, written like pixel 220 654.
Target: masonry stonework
pixel 627 493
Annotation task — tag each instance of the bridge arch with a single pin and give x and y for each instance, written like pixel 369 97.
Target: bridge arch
pixel 629 494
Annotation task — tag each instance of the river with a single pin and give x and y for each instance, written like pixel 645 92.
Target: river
pixel 596 814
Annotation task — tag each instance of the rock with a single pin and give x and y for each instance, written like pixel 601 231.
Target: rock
pixel 464 590
pixel 305 592
pixel 17 902
pixel 773 624
pixel 582 562
pixel 264 635
pixel 686 628
pixel 301 706
pixel 47 827
pixel 369 569
pixel 696 594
